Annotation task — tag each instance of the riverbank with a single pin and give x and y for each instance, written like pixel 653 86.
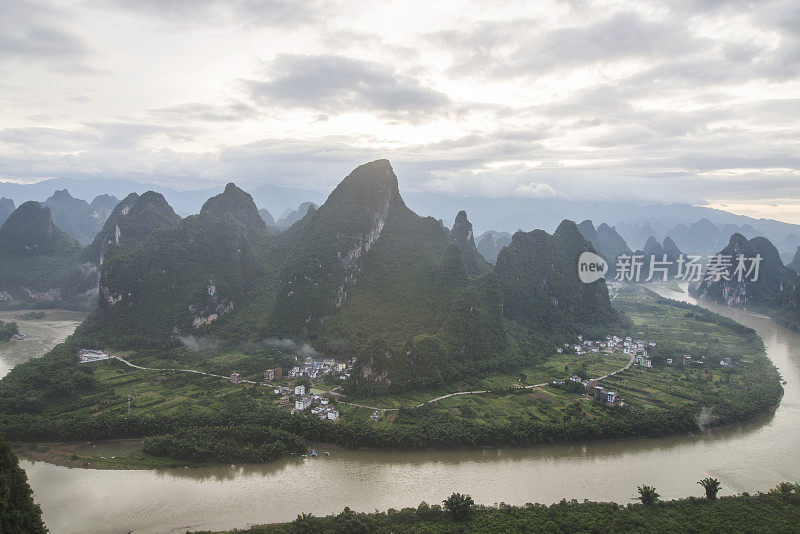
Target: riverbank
pixel 775 511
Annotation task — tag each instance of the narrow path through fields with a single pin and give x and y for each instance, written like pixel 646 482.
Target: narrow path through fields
pixel 437 399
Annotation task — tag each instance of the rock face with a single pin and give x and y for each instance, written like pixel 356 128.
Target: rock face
pixel 461 235
pixel 131 221
pixel 490 243
pixel 326 260
pixel 767 291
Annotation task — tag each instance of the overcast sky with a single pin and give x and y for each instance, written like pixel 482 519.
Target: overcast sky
pixel 688 100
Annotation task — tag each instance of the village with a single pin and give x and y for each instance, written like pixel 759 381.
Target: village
pixel 637 350
pixel 299 396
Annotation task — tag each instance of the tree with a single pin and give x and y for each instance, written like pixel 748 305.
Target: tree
pixel 304 380
pixel 523 377
pixel 306 523
pixel 648 495
pixel 18 512
pixel 712 486
pixel 459 506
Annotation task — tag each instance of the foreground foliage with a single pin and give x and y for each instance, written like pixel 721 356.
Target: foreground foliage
pixel 775 511
pixel 18 512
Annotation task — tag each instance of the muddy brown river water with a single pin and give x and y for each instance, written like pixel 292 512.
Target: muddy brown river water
pixel 747 457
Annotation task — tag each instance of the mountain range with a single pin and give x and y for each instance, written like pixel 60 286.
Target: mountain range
pixel 362 274
pixel 634 221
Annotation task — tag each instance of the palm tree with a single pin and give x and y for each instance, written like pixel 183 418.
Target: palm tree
pixel 648 495
pixel 712 486
pixel 459 506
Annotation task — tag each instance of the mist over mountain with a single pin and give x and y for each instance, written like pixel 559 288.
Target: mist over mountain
pixel 291 216
pixel 795 263
pixel 490 243
pixel 266 216
pixel 7 207
pixel 634 221
pixel 605 240
pixel 767 291
pixel 77 217
pixel 185 202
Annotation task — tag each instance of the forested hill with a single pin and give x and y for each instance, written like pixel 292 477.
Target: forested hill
pixel 42 266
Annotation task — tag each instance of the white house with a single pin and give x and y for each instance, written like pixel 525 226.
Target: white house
pixel 302 403
pixel 300 390
pixel 333 415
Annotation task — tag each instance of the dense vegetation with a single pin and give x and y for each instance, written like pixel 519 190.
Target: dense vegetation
pixel 8 329
pixel 461 234
pixel 775 511
pixel 18 512
pixel 540 288
pixel 225 444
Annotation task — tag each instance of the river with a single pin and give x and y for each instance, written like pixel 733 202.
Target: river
pixel 748 457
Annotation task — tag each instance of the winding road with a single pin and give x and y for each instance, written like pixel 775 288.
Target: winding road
pixel 437 399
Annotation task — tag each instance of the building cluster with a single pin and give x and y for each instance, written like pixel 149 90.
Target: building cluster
pixel 318 367
pixel 599 393
pixel 273 374
pixel 588 346
pixel 320 406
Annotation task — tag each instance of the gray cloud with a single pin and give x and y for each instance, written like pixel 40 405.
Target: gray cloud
pixel 525 47
pixel 339 84
pixel 198 111
pixel 241 12
pixel 31 30
pixel 661 101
